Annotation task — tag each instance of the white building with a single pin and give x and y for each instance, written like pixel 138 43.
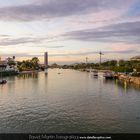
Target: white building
pixel 4 64
pixel 137 58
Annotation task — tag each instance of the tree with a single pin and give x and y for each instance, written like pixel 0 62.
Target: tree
pixel 32 64
pixel 121 63
pixel 35 60
pixel 35 63
pixel 10 62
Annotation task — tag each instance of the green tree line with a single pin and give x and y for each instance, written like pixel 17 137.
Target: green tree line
pixel 121 66
pixel 27 65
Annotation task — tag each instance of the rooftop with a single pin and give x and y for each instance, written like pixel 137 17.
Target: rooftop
pixel 136 57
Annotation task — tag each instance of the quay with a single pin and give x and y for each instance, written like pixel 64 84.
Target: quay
pixel 129 79
pixel 123 77
pixel 92 70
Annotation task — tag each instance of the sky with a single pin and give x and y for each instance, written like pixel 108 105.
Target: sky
pixel 69 30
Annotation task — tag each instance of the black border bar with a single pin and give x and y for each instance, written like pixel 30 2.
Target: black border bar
pixel 69 136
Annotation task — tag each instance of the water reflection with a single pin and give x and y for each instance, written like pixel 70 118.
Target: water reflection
pixel 137 87
pixel 119 84
pixel 127 86
pixel 28 75
pixel 116 88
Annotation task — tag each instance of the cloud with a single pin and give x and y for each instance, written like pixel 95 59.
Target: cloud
pixel 96 52
pixel 122 47
pixel 2 36
pixel 9 40
pixel 127 32
pixel 121 32
pixel 71 54
pixel 16 54
pixel 55 47
pixel 58 8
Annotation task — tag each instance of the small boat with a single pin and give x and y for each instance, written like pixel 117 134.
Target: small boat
pixel 108 75
pixel 2 82
pixel 95 73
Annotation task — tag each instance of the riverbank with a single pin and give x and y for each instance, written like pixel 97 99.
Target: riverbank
pixel 14 73
pixel 8 73
pixel 129 79
pixel 122 77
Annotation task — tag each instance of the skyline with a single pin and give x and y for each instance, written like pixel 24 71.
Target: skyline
pixel 70 30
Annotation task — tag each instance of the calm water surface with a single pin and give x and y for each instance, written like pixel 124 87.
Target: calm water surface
pixel 69 102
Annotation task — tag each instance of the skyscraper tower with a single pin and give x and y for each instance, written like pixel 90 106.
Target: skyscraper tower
pixel 46 62
pixel 46 59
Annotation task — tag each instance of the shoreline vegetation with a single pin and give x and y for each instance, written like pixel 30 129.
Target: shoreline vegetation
pixel 130 67
pixel 29 65
pixel 126 70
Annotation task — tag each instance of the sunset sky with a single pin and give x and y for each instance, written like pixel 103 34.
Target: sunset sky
pixel 70 30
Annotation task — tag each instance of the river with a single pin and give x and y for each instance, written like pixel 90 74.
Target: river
pixel 68 102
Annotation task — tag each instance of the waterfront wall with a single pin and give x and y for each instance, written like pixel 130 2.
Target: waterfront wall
pixel 130 79
pixel 8 73
pixel 123 77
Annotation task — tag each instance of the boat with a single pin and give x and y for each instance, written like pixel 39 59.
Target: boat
pixel 108 75
pixel 95 73
pixel 2 82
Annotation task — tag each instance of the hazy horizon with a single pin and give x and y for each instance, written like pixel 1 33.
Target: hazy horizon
pixel 71 30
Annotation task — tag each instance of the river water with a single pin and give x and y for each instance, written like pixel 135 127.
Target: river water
pixel 69 102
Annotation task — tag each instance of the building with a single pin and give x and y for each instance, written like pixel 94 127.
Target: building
pixel 8 64
pixel 46 59
pixel 136 58
pixel 2 67
pixel 3 64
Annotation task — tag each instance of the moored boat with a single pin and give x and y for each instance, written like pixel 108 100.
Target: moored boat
pixel 108 75
pixel 3 82
pixel 95 73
